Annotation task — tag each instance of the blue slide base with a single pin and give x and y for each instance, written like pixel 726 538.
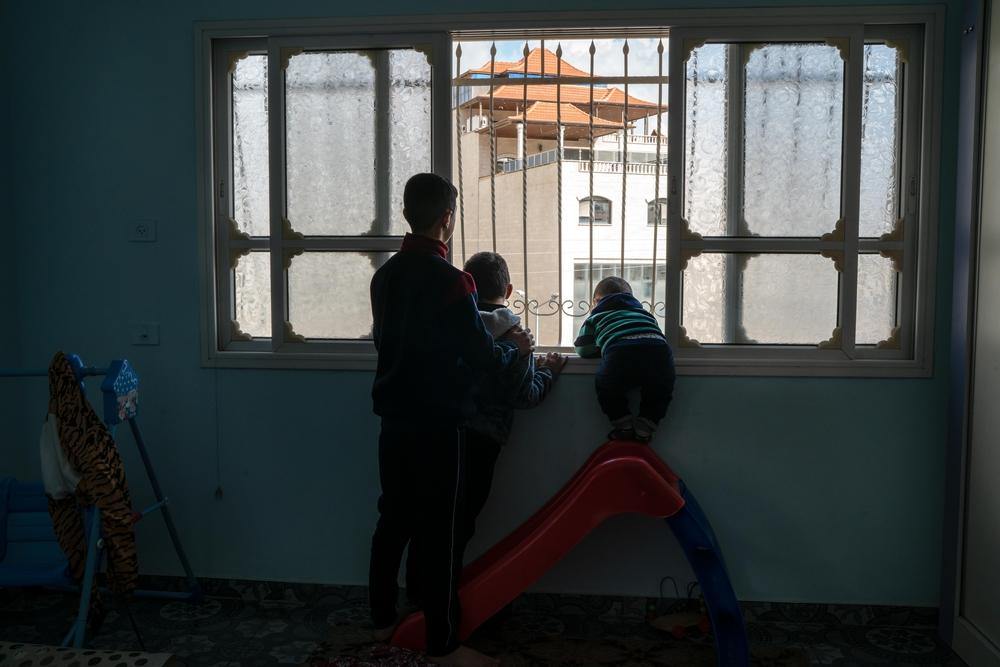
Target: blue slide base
pixel 695 536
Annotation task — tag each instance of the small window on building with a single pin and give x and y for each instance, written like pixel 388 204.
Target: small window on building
pixel 601 208
pixel 656 212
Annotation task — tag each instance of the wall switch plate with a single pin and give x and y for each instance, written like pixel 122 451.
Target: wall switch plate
pixel 145 333
pixel 142 231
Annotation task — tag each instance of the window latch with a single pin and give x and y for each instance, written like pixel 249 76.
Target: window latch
pixel 222 189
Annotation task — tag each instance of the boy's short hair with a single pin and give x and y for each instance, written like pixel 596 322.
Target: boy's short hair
pixel 612 285
pixel 491 274
pixel 426 197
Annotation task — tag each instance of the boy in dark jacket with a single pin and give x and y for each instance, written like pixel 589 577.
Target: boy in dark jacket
pixel 497 394
pixel 431 342
pixel 634 353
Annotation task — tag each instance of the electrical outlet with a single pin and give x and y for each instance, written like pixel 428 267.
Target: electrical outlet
pixel 145 333
pixel 142 231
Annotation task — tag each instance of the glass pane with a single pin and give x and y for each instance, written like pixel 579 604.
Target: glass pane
pixel 780 299
pixel 250 157
pixel 877 288
pixel 252 288
pixel 410 126
pixel 328 293
pixel 793 122
pixel 880 124
pixel 330 125
pixel 706 127
pixel 704 298
pixel 789 299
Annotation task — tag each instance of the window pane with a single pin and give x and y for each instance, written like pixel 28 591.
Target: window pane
pixel 252 291
pixel 877 288
pixel 410 127
pixel 880 124
pixel 328 293
pixel 793 122
pixel 706 127
pixel 330 125
pixel 789 298
pixel 780 299
pixel 704 298
pixel 250 177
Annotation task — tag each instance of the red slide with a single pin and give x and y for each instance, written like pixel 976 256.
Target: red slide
pixel 619 478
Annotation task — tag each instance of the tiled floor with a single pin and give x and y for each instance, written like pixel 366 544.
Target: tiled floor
pixel 248 623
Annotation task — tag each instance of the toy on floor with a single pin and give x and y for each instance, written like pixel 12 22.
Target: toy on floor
pixel 620 477
pixel 30 555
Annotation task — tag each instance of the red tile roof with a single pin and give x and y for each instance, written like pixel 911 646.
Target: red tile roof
pixel 571 94
pixel 545 112
pixel 535 61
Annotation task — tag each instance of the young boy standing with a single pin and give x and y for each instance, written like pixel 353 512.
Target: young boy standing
pixel 496 395
pixel 430 341
pixel 634 353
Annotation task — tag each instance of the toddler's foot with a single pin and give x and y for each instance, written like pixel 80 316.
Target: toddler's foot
pixel 622 429
pixel 644 429
pixel 464 656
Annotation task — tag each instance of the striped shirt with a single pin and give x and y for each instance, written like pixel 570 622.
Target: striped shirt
pixel 616 318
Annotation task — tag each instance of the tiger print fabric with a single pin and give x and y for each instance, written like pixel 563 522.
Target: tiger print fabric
pixel 91 450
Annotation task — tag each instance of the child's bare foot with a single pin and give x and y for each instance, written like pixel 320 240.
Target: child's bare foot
pixel 464 656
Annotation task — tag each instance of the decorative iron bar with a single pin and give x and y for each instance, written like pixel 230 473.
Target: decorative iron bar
pixel 458 148
pixel 493 149
pixel 560 147
pixel 524 174
pixel 625 122
pixel 656 178
pixel 590 197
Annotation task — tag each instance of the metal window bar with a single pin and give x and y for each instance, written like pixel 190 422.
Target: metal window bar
pixel 625 123
pixel 524 177
pixel 560 148
pixel 493 148
pixel 656 177
pixel 590 254
pixel 458 149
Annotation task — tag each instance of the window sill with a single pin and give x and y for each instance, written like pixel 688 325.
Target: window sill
pixel 748 366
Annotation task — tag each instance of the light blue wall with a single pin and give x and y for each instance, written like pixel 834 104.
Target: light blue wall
pixel 819 490
pixel 9 389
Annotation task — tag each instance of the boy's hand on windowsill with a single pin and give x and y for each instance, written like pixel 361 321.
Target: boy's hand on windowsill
pixel 554 361
pixel 523 339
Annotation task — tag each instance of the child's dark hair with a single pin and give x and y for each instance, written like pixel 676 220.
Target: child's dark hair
pixel 426 197
pixel 612 285
pixel 491 274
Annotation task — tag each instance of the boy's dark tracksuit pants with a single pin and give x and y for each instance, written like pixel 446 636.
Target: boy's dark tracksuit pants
pixel 422 471
pixel 650 367
pixel 481 454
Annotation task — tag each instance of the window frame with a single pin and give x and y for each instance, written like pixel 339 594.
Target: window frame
pixel 228 346
pixel 657 205
pixel 839 355
pixel 360 355
pixel 596 199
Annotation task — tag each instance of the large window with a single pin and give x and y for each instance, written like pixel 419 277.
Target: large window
pixel 314 139
pixel 767 189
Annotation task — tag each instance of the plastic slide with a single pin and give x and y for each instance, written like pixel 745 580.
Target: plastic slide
pixel 619 478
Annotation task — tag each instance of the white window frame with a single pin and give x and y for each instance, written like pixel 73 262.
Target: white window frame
pixel 901 355
pixel 592 208
pixel 285 346
pixel 655 205
pixel 781 24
